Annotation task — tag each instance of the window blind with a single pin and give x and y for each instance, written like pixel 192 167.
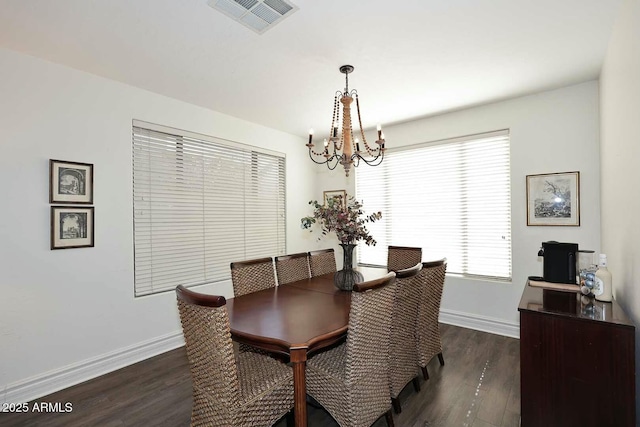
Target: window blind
pixel 452 198
pixel 200 203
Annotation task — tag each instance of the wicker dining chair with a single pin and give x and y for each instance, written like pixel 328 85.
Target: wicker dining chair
pixel 404 365
pixel 401 257
pixel 252 276
pixel 246 389
pixel 322 262
pixel 351 381
pixel 291 268
pixel 428 330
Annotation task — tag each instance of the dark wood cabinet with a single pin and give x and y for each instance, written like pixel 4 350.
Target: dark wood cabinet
pixel 577 362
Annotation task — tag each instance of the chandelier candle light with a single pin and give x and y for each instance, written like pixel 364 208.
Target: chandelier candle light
pixel 345 149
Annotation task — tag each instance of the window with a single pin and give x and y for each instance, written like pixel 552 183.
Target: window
pixel 200 203
pixel 452 198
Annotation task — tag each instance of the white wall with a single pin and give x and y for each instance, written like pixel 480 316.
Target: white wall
pixel 620 154
pixel 65 315
pixel 554 131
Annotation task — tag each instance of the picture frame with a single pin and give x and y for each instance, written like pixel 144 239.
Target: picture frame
pixel 72 227
pixel 341 194
pixel 70 182
pixel 553 199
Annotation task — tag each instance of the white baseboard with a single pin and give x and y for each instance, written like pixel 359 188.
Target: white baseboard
pixel 58 379
pixel 480 323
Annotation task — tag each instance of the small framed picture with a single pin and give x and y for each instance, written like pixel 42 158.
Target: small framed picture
pixel 553 199
pixel 341 195
pixel 70 182
pixel 71 227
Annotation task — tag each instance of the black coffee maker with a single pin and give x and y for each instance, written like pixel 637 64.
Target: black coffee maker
pixel 559 264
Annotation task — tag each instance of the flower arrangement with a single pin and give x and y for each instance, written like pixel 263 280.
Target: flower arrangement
pixel 345 218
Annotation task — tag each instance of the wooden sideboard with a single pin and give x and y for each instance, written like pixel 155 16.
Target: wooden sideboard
pixel 577 362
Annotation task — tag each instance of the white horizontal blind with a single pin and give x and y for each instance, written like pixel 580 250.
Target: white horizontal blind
pixel 199 204
pixel 451 198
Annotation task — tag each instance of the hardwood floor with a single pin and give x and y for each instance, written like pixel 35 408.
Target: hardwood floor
pixel 479 386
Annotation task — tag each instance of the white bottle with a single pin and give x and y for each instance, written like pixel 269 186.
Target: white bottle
pixel 602 282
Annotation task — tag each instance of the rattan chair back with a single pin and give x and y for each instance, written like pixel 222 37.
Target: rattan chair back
pixel 252 276
pixel 404 365
pixel 241 390
pixel 367 348
pixel 207 336
pixel 402 257
pixel 291 268
pixel 428 328
pixel 351 381
pixel 322 262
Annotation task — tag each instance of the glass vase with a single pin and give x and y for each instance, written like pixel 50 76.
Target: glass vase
pixel 347 277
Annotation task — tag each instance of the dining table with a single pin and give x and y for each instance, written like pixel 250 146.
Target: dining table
pixel 295 320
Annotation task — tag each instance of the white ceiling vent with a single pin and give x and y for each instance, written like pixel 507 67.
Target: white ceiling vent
pixel 259 15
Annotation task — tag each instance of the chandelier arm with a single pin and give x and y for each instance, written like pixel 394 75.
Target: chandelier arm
pixel 370 162
pixel 336 146
pixel 381 157
pixel 375 161
pixel 334 151
pixel 337 162
pixel 357 158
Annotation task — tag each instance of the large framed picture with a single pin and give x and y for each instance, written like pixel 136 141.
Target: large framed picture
pixel 553 199
pixel 70 182
pixel 341 195
pixel 71 227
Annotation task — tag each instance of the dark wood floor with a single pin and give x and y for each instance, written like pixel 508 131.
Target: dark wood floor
pixel 479 386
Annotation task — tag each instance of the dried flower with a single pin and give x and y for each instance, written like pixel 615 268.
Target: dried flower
pixel 348 222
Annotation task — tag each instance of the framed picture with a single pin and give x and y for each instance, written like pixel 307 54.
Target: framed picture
pixel 553 199
pixel 333 194
pixel 70 182
pixel 71 227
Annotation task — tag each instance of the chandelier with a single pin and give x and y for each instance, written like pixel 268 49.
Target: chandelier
pixel 345 149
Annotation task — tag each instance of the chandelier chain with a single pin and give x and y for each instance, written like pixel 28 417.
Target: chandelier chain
pixel 346 78
pixel 353 144
pixel 336 111
pixel 364 139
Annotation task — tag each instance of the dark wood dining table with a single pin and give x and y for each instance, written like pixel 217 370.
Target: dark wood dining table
pixel 296 320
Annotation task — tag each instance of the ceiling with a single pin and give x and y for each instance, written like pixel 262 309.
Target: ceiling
pixel 412 58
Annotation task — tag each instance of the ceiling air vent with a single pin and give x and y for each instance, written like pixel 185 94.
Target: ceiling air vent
pixel 259 15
